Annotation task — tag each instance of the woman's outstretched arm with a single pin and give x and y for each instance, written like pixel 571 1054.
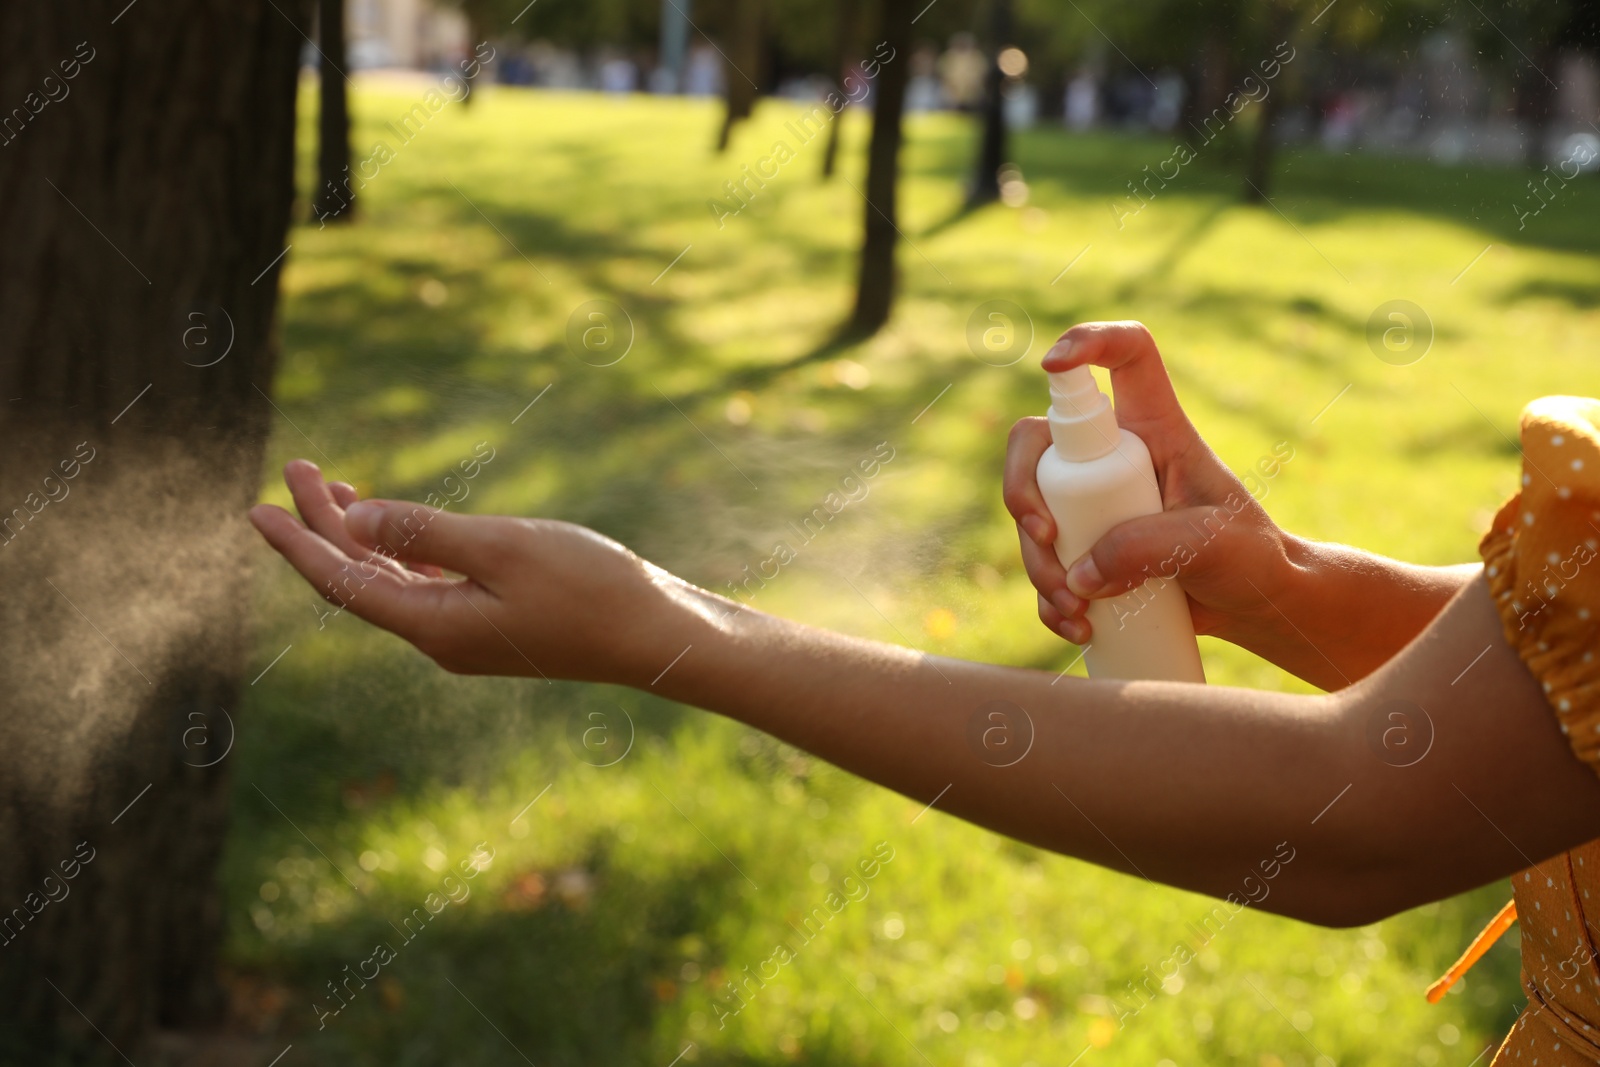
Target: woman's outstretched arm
pixel 1194 786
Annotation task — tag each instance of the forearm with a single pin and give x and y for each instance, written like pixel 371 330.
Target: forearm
pixel 1338 613
pixel 1193 786
pixel 1187 785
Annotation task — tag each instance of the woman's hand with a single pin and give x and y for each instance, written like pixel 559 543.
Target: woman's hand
pixel 1236 555
pixel 539 598
pixel 1327 613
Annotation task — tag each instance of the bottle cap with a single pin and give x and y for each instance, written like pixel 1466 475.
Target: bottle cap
pixel 1082 422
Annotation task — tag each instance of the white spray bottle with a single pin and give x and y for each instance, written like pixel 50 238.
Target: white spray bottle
pixel 1094 477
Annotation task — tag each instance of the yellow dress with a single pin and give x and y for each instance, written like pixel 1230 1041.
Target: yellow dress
pixel 1537 558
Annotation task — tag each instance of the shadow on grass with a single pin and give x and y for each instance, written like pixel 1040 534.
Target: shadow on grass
pixel 1579 295
pixel 551 980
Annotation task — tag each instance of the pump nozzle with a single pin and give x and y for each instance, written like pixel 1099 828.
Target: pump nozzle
pixel 1078 388
pixel 1081 420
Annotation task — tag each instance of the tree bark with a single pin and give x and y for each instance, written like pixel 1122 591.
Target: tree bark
pixel 335 199
pixel 844 43
pixel 992 143
pixel 875 287
pixel 742 72
pixel 144 215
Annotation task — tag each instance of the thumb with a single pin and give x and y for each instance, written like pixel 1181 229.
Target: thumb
pixel 1151 546
pixel 416 533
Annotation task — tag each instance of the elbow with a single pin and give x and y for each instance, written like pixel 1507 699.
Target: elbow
pixel 1324 898
pixel 1346 914
pixel 1343 907
pixel 1358 889
pixel 1394 842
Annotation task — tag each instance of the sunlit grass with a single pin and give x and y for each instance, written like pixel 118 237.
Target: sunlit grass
pixel 618 906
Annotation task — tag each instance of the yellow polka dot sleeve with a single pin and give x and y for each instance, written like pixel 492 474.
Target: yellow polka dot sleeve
pixel 1542 560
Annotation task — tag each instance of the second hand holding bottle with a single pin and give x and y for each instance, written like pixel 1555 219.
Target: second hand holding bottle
pixel 1095 476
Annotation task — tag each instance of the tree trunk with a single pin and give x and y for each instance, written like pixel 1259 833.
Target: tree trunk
pixel 335 199
pixel 1053 94
pixel 1263 148
pixel 743 69
pixel 1535 100
pixel 992 144
pixel 144 217
pixel 876 283
pixel 1213 75
pixel 844 44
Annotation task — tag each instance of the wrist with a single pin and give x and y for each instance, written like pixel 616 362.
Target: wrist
pixel 1332 614
pixel 1282 577
pixel 676 622
pixel 1299 572
pixel 1298 613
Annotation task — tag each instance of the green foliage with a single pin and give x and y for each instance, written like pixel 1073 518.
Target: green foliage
pixel 617 907
pixel 1504 33
pixel 581 24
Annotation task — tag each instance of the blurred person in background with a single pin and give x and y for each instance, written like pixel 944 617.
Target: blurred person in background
pixel 618 74
pixel 704 74
pixel 1082 108
pixel 923 91
pixel 962 69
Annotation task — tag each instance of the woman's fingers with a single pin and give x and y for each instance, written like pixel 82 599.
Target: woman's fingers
pixel 1073 628
pixel 375 593
pixel 1144 394
pixel 1059 608
pixel 318 505
pixel 479 546
pixel 1028 441
pixel 344 494
pixel 1047 574
pixel 329 522
pixel 1187 545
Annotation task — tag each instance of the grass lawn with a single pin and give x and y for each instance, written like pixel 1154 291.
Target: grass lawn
pixel 621 900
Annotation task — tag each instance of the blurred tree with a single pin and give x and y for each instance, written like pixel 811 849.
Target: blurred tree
pixel 742 68
pixel 804 34
pixel 1285 39
pixel 334 198
pixel 582 25
pixel 845 15
pixel 992 141
pixel 145 224
pixel 480 14
pixel 1279 22
pixel 876 282
pixel 1217 45
pixel 493 19
pixel 1524 41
